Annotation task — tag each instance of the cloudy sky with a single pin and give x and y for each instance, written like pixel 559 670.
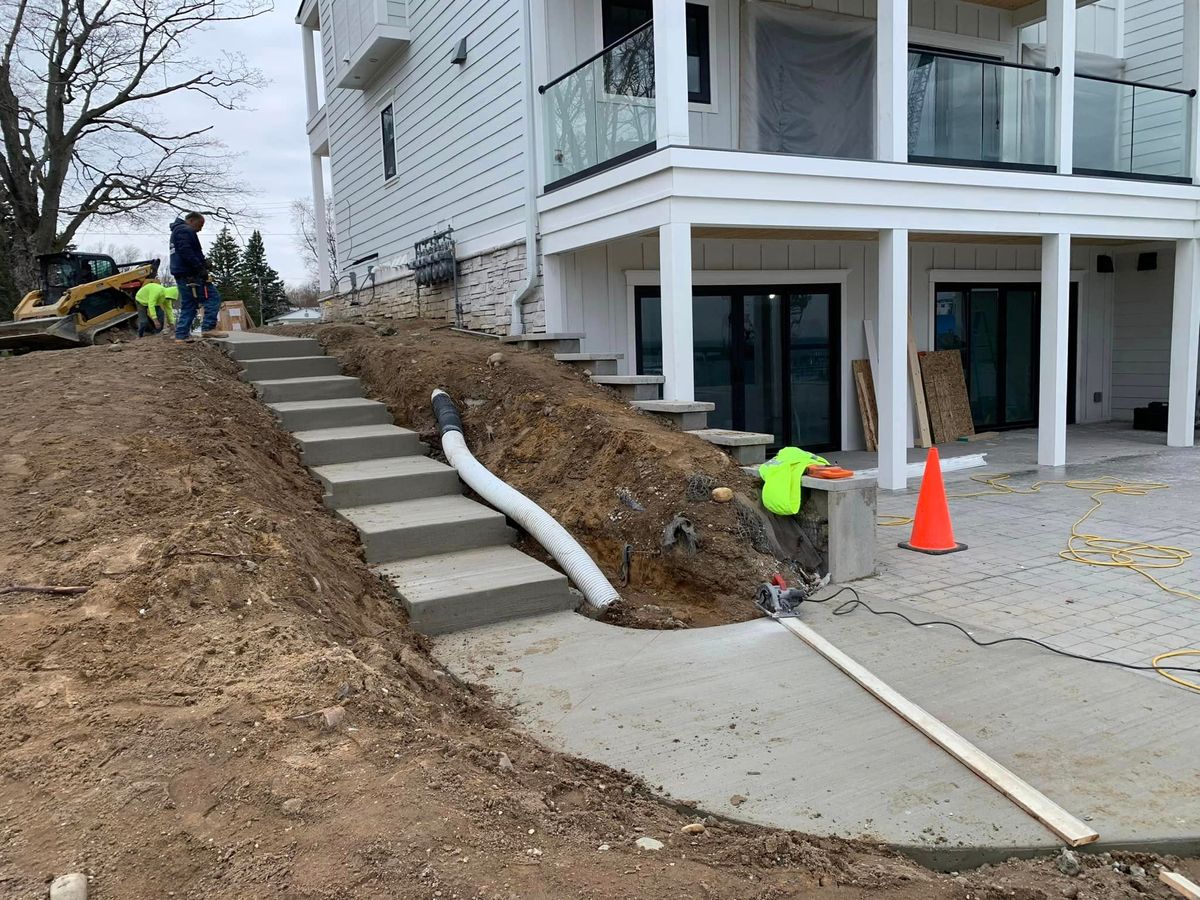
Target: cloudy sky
pixel 267 143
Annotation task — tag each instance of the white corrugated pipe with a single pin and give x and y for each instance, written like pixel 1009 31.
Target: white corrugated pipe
pixel 536 521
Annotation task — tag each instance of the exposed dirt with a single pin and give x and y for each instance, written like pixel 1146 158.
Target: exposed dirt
pixel 613 476
pixel 158 731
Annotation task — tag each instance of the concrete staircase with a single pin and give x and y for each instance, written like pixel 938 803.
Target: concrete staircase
pixel 645 393
pixel 447 558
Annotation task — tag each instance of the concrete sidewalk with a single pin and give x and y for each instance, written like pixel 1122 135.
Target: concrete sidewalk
pixel 707 715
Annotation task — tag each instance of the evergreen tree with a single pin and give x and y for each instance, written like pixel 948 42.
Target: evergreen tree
pixel 264 290
pixel 224 262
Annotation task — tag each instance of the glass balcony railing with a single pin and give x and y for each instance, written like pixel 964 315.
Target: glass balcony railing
pixel 1134 130
pixel 970 111
pixel 602 111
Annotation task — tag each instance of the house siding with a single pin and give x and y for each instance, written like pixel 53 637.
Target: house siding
pixel 1141 346
pixel 460 146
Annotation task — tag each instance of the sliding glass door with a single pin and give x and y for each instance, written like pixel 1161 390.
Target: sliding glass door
pixel 765 356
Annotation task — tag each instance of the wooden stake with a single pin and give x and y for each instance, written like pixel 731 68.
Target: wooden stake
pixel 1180 885
pixel 41 589
pixel 1058 820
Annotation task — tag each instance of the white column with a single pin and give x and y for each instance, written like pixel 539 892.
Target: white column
pixel 1055 330
pixel 1060 52
pixel 1185 339
pixel 321 225
pixel 670 73
pixel 554 292
pixel 891 381
pixel 310 70
pixel 1191 78
pixel 891 82
pixel 675 262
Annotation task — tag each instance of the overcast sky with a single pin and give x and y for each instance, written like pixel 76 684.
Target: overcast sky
pixel 268 144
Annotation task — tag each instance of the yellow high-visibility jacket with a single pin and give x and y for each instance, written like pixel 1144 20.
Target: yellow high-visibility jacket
pixel 153 295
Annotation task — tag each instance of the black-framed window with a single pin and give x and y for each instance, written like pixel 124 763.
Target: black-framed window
pixel 387 127
pixel 767 356
pixel 620 17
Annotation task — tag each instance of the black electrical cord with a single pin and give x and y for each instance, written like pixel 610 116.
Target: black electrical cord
pixel 850 606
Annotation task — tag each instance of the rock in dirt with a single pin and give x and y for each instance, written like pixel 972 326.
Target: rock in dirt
pixel 70 887
pixel 737 800
pixel 116 348
pixel 722 494
pixel 292 807
pixel 693 828
pixel 504 764
pixel 649 843
pixel 496 360
pixel 332 717
pixel 1071 891
pixel 1068 862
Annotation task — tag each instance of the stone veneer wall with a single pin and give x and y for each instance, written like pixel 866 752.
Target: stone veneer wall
pixel 486 284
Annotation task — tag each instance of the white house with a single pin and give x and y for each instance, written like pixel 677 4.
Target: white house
pixel 724 192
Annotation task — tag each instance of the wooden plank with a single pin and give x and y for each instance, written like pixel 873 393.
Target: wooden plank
pixel 872 345
pixel 946 393
pixel 1179 884
pixel 924 435
pixel 979 436
pixel 1070 829
pixel 864 387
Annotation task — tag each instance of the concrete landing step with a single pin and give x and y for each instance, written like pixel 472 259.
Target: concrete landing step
pixel 310 415
pixel 289 367
pixel 273 348
pixel 323 387
pixel 392 532
pixel 633 387
pixel 452 591
pixel 559 342
pixel 327 446
pixel 687 415
pixel 386 481
pixel 746 447
pixel 596 363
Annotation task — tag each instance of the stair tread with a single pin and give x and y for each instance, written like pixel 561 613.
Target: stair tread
pixel 300 405
pixel 588 357
pixel 349 432
pixel 543 336
pixel 674 406
pixel 728 438
pixel 629 379
pixel 346 473
pixel 266 359
pixel 423 513
pixel 306 379
pixel 429 579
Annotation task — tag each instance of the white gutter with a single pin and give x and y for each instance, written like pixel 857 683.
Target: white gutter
pixel 516 325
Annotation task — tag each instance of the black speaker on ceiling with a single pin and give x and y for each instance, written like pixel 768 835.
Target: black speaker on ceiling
pixel 1104 264
pixel 1147 262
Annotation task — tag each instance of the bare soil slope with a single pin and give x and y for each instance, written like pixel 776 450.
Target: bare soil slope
pixel 158 731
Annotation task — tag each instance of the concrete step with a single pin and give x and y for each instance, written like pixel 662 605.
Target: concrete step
pixel 686 415
pixel 289 367
pixel 453 591
pixel 310 415
pixel 748 448
pixel 386 481
pixel 594 363
pixel 273 348
pixel 392 532
pixel 327 446
pixel 559 342
pixel 633 387
pixel 325 387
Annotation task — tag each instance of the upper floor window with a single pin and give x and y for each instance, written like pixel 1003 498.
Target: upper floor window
pixel 388 127
pixel 619 17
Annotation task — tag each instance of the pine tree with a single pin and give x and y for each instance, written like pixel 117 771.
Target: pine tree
pixel 264 290
pixel 224 261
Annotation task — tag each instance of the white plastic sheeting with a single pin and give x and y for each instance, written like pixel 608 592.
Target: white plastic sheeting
pixel 808 82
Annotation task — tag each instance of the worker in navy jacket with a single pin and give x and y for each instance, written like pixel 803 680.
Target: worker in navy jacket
pixel 190 269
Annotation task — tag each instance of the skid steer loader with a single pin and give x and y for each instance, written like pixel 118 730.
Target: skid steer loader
pixel 81 297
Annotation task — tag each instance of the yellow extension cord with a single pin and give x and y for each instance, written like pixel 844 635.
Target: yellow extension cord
pixel 1095 550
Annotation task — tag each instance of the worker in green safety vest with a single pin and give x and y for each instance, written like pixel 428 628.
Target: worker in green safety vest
pixel 156 307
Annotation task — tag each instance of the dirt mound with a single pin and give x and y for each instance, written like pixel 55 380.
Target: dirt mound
pixel 614 477
pixel 235 708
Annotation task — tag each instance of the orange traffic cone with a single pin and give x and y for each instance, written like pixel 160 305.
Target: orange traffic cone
pixel 932 532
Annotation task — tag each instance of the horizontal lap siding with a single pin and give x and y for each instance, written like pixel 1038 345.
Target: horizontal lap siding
pixel 1154 54
pixel 460 134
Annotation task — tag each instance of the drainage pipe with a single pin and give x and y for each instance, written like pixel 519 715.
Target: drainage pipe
pixel 541 526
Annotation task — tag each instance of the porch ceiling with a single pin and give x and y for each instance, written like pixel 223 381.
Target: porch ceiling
pixel 1012 5
pixel 927 237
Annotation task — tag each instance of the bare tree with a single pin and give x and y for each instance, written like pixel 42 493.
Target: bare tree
pixel 79 82
pixel 305 221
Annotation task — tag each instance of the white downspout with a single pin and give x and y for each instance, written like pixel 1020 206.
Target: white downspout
pixel 516 325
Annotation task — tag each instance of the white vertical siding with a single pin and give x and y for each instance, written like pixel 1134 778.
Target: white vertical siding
pixel 459 131
pixel 1141 348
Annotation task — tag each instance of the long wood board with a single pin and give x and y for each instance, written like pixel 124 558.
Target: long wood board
pixel 1070 829
pixel 946 393
pixel 1180 885
pixel 924 434
pixel 864 388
